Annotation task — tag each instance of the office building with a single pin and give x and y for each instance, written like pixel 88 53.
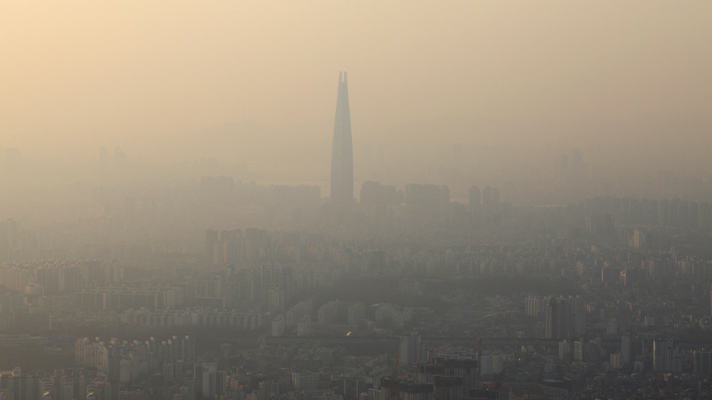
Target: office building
pixel 374 194
pixel 475 199
pixel 427 195
pixel 342 164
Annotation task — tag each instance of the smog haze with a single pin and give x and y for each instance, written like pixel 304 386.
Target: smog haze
pixel 253 83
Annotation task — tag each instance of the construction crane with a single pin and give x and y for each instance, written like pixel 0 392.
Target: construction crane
pixel 479 359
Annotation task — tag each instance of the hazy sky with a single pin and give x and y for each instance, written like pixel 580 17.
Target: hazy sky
pixel 94 71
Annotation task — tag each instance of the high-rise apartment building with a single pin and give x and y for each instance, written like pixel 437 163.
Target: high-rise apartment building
pixel 625 350
pixel 666 356
pixel 702 363
pixel 565 318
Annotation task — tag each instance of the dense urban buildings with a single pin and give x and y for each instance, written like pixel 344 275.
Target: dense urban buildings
pixel 226 289
pixel 234 290
pixel 231 290
pixel 519 207
pixel 420 297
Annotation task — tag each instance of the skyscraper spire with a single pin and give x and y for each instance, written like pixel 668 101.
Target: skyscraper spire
pixel 342 164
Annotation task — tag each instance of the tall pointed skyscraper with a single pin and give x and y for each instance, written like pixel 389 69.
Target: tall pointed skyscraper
pixel 342 156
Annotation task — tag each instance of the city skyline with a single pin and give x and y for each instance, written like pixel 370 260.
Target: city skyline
pixel 520 206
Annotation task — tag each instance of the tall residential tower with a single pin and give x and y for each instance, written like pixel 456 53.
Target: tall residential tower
pixel 342 157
